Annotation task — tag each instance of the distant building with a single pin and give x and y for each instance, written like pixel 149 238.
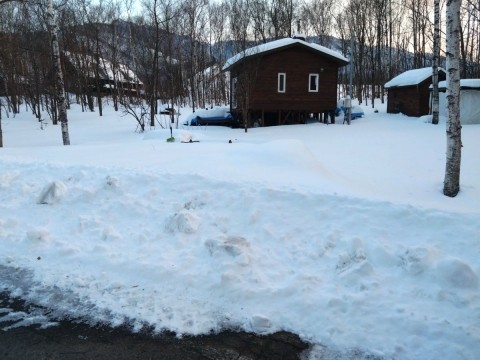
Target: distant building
pixel 469 100
pixel 408 93
pixel 82 71
pixel 283 82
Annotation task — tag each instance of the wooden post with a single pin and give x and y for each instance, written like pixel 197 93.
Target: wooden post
pixel 332 116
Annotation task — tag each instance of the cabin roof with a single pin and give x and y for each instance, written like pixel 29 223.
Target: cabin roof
pixel 122 72
pixel 283 43
pixel 411 77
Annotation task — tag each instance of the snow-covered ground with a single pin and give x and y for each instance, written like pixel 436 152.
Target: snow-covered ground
pixel 338 233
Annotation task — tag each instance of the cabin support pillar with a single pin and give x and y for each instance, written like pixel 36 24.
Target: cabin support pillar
pixel 332 116
pixel 325 117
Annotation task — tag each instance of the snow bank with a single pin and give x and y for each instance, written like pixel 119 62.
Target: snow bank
pixel 337 233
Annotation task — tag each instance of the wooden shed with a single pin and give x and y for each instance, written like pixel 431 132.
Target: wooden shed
pixel 283 82
pixel 469 100
pixel 409 94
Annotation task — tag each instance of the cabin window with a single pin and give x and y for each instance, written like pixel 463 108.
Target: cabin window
pixel 282 79
pixel 234 93
pixel 313 82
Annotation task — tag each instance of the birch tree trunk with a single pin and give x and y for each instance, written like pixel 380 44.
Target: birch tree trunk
pixel 436 57
pixel 153 97
pixel 451 185
pixel 1 132
pixel 57 70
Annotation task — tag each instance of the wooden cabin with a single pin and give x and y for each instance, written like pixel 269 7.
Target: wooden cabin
pixel 283 82
pixel 409 94
pixel 81 71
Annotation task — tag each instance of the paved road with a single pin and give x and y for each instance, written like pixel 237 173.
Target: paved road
pixel 70 340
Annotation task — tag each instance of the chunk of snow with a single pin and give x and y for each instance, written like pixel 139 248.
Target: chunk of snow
pixel 52 193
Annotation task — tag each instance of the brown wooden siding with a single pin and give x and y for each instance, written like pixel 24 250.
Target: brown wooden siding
pixel 411 100
pixel 405 100
pixel 297 63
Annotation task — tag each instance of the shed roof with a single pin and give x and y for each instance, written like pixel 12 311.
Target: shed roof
pixel 411 77
pixel 464 84
pixel 284 43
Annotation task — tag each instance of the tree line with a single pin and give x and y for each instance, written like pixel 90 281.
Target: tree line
pixel 175 48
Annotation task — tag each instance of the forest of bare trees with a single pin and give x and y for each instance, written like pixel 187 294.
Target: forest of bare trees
pixel 170 52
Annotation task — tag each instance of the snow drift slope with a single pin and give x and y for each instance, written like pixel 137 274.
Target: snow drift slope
pixel 340 234
pixel 190 254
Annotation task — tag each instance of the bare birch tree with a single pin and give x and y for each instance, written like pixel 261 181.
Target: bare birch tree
pixel 259 14
pixel 319 17
pixel 436 58
pixel 1 131
pixel 240 84
pixel 194 12
pixel 451 185
pixel 57 69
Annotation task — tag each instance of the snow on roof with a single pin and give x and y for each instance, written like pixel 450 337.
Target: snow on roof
pixel 464 84
pixel 411 77
pixel 277 44
pixel 123 72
